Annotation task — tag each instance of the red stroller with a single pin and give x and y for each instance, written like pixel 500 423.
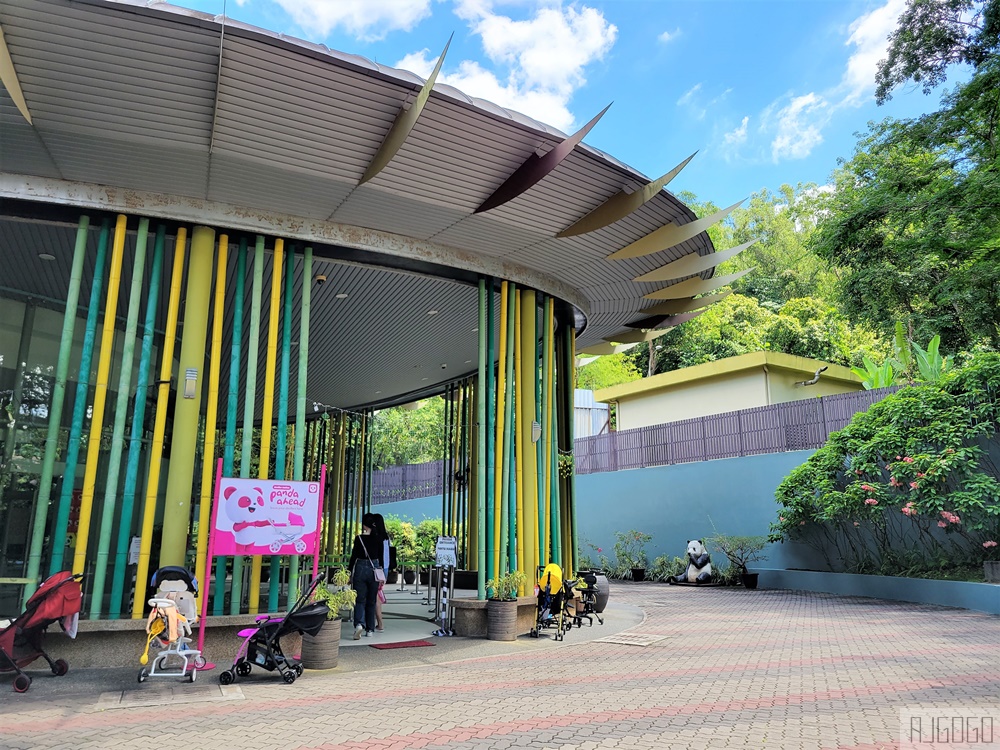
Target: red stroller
pixel 57 600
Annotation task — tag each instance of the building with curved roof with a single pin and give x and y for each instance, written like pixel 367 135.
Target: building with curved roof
pixel 297 232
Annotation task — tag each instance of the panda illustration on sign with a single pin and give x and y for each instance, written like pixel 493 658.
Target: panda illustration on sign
pixel 699 569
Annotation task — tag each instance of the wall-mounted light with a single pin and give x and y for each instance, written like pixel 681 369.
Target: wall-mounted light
pixel 536 432
pixel 190 382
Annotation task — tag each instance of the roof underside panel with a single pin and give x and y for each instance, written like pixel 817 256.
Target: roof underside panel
pixel 21 150
pixel 378 209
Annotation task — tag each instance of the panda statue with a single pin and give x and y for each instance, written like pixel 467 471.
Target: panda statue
pixel 699 569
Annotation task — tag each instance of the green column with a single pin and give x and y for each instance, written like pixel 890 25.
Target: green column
pixel 281 441
pixel 118 429
pixel 187 410
pixel 481 445
pixel 489 395
pixel 300 401
pixel 507 496
pixel 79 403
pixel 56 407
pixel 138 427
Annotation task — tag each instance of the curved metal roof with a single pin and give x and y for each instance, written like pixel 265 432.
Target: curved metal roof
pixel 168 112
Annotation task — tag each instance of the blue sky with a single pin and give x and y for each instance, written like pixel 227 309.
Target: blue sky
pixel 767 91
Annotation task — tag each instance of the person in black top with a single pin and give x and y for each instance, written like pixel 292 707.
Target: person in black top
pixel 366 555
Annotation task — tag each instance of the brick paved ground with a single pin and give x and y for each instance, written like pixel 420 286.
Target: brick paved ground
pixel 732 669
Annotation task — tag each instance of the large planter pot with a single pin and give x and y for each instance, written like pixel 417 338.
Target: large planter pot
pixel 638 574
pixel 501 620
pixel 321 651
pixel 409 576
pixel 393 577
pixel 749 580
pixel 991 569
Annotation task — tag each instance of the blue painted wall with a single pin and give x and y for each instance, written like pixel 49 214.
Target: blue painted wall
pixel 414 510
pixel 681 502
pixel 674 504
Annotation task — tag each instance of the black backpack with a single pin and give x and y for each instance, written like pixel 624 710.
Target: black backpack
pixel 392 558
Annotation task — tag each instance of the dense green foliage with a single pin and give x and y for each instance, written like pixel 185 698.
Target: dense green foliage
pixel 403 435
pixel 606 371
pixel 908 487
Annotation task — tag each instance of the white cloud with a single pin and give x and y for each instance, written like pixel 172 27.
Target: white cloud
pixel 539 62
pixel 366 19
pixel 793 125
pixel 669 36
pixel 739 135
pixel 869 34
pixel 688 95
pixel 798 127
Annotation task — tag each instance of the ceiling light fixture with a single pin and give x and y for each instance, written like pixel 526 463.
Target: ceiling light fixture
pixel 46 256
pixel 342 295
pixel 432 312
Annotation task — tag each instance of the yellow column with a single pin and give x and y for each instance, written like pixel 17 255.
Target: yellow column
pixel 187 410
pixel 549 338
pixel 208 463
pixel 519 442
pixel 267 413
pixel 497 469
pixel 100 395
pixel 160 424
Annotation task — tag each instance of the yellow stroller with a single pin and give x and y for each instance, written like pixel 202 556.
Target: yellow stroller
pixel 552 599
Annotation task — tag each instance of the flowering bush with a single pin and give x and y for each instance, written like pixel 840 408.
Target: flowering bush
pixel 630 549
pixel 909 487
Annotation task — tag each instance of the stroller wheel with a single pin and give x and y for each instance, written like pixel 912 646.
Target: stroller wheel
pixel 192 675
pixel 288 677
pixel 533 633
pixel 227 677
pixel 21 683
pixel 275 546
pixel 60 667
pixel 143 674
pixel 200 662
pixel 298 670
pixel 243 668
pixel 300 546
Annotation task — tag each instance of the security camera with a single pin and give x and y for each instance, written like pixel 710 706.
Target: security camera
pixel 320 278
pixel 444 367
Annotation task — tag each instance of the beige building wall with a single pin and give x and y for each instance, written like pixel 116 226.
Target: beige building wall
pixel 783 388
pixel 697 398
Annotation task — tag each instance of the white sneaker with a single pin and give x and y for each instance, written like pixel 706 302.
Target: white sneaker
pixel 358 630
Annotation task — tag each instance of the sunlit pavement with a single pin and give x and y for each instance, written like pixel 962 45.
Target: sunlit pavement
pixel 671 668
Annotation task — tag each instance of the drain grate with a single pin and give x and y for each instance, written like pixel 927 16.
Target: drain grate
pixel 633 639
pixel 167 695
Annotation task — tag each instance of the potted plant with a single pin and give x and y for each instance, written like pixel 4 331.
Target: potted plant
pixel 322 651
pixel 630 549
pixel 741 550
pixel 501 607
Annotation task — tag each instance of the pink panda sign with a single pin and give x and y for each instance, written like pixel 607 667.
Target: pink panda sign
pixel 266 517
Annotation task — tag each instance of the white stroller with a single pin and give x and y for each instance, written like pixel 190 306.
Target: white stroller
pixel 169 626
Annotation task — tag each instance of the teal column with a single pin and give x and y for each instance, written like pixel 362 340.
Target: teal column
pixel 118 429
pixel 79 404
pixel 250 395
pixel 507 490
pixel 232 403
pixel 138 420
pixel 491 431
pixel 55 409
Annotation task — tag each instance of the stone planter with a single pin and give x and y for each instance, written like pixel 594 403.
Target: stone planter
pixel 603 591
pixel 501 620
pixel 322 650
pixel 991 570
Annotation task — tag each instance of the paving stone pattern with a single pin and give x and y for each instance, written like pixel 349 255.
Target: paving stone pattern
pixel 723 668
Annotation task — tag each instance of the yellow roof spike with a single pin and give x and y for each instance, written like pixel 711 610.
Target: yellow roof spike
pixel 678 306
pixel 696 285
pixel 670 235
pixel 8 76
pixel 692 264
pixel 621 204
